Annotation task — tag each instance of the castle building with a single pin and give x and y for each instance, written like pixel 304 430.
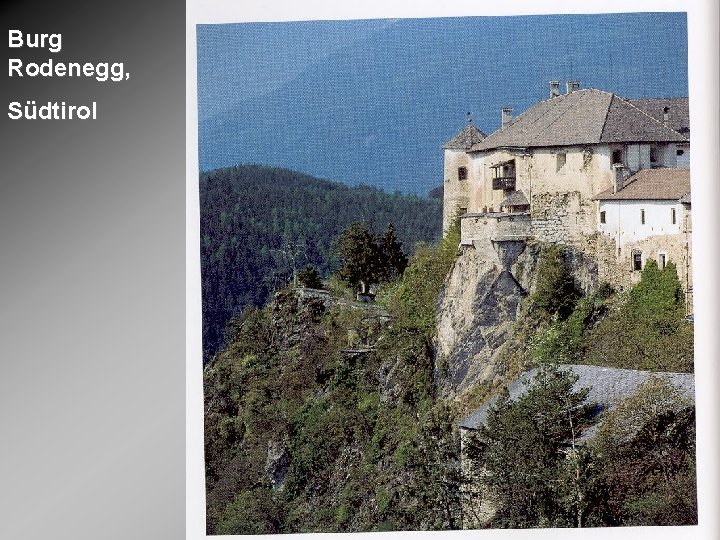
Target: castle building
pixel 552 173
pixel 649 217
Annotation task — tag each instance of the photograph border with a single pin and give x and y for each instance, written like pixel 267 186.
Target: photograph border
pixel 703 92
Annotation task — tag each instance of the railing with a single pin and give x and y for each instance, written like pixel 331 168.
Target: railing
pixel 503 182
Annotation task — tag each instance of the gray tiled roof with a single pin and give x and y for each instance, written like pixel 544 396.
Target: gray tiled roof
pixel 581 117
pixel 608 387
pixel 652 184
pixel 466 138
pixel 678 111
pixel 515 198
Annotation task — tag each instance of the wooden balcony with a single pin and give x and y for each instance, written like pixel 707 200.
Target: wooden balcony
pixel 503 182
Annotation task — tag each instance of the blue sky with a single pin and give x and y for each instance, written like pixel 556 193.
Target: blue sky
pixel 373 101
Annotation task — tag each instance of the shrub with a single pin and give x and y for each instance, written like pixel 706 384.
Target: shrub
pixel 310 277
pixel 555 291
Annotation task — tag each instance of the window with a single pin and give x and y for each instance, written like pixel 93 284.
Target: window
pixel 661 260
pixel 617 156
pixel 462 173
pixel 602 216
pixel 654 154
pixel 561 160
pixel 636 260
pixel 673 216
pixel 642 217
pixel 680 152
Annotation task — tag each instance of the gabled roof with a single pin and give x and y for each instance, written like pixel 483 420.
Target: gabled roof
pixel 581 117
pixel 607 388
pixel 652 184
pixel 466 138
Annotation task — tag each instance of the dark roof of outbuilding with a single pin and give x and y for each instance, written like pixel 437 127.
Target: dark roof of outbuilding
pixel 607 387
pixel 652 184
pixel 581 117
pixel 466 138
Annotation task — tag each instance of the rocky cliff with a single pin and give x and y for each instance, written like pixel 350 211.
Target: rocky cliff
pixel 479 307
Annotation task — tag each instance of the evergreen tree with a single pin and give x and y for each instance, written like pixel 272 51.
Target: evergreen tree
pixel 521 452
pixel 362 257
pixel 395 261
pixel 555 292
pixel 310 277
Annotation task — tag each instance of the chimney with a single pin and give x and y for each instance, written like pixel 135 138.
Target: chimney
pixel 554 89
pixel 620 175
pixel 505 117
pixel 666 115
pixel 571 86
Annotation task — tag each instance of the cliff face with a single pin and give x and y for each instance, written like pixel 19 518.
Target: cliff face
pixel 480 304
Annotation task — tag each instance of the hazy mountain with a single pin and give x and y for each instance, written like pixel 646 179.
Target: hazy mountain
pixel 373 101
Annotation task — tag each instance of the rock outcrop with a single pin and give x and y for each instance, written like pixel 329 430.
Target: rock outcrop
pixel 480 304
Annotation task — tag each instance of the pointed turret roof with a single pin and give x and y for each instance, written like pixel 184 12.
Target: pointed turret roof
pixel 469 136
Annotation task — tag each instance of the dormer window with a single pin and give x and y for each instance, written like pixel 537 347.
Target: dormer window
pixel 462 173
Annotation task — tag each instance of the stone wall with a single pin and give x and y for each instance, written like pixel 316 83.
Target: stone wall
pixel 457 193
pixel 479 227
pixel 565 218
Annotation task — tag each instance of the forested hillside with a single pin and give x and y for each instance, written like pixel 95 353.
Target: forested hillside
pixel 258 224
pixel 323 415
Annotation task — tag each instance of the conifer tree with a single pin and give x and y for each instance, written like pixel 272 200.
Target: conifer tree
pixel 395 261
pixel 361 256
pixel 521 450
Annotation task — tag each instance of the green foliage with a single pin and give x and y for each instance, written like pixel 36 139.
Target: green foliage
pixel 555 291
pixel 432 494
pixel 520 451
pixel 561 341
pixel 412 300
pixel 645 329
pixel 646 456
pixel 652 398
pixel 258 224
pixel 310 277
pixel 257 511
pixel 368 259
pixel 395 260
pixel 361 255
pixel 658 298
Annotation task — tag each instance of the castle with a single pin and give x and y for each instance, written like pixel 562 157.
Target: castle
pixel 585 168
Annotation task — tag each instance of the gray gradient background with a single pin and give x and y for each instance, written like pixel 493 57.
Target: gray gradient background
pixel 92 288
